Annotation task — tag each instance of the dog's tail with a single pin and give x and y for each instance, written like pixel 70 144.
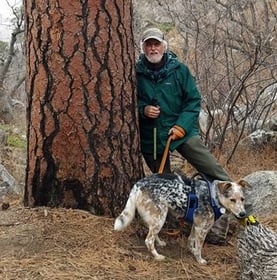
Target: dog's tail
pixel 128 214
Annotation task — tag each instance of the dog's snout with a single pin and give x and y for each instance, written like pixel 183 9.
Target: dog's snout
pixel 242 214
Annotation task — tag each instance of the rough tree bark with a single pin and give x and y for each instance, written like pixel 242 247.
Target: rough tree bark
pixel 257 252
pixel 82 130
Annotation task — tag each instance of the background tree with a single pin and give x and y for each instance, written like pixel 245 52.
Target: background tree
pixel 82 130
pixel 11 60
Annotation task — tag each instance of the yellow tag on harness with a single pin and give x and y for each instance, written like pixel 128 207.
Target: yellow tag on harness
pixel 249 220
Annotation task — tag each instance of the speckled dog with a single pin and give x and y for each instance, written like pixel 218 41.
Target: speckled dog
pixel 156 194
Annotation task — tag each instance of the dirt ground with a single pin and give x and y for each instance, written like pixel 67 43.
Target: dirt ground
pixel 45 243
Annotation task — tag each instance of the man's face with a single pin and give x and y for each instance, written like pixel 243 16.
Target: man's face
pixel 153 50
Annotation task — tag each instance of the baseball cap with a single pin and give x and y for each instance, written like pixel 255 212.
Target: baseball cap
pixel 152 33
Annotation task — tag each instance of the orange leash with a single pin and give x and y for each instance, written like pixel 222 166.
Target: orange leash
pixel 166 149
pixel 173 232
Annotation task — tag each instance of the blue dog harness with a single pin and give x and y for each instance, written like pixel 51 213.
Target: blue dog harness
pixel 192 205
pixel 193 202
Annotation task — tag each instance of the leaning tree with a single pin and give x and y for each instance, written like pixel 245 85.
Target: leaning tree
pixel 9 54
pixel 82 129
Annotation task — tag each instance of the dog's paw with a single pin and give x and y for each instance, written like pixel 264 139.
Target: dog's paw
pixel 202 261
pixel 159 257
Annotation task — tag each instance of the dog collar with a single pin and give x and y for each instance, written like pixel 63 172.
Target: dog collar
pixel 218 210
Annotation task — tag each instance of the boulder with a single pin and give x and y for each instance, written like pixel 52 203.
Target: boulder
pixel 262 137
pixel 8 184
pixel 262 194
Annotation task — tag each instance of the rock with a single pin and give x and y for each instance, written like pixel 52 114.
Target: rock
pixel 3 137
pixel 272 124
pixel 8 183
pixel 262 137
pixel 263 192
pixel 219 231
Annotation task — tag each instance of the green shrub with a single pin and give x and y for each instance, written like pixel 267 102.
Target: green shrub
pixel 14 139
pixel 17 141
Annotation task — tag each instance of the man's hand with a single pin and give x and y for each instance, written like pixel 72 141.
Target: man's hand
pixel 151 111
pixel 176 132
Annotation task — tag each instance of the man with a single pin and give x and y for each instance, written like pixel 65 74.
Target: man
pixel 169 104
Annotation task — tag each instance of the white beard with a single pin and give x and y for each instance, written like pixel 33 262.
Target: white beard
pixel 154 58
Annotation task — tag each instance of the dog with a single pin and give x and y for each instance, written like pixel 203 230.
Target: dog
pixel 157 194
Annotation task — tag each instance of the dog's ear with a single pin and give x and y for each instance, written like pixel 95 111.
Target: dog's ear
pixel 224 186
pixel 243 183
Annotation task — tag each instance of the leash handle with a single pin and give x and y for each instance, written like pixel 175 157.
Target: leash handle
pixel 166 149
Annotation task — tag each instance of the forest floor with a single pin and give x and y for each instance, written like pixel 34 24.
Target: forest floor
pixel 49 243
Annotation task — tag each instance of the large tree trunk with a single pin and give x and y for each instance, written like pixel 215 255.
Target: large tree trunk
pixel 257 252
pixel 83 144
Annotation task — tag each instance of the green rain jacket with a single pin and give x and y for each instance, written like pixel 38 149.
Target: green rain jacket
pixel 175 90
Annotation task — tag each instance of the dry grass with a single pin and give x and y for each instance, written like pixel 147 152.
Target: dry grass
pixel 247 161
pixel 45 243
